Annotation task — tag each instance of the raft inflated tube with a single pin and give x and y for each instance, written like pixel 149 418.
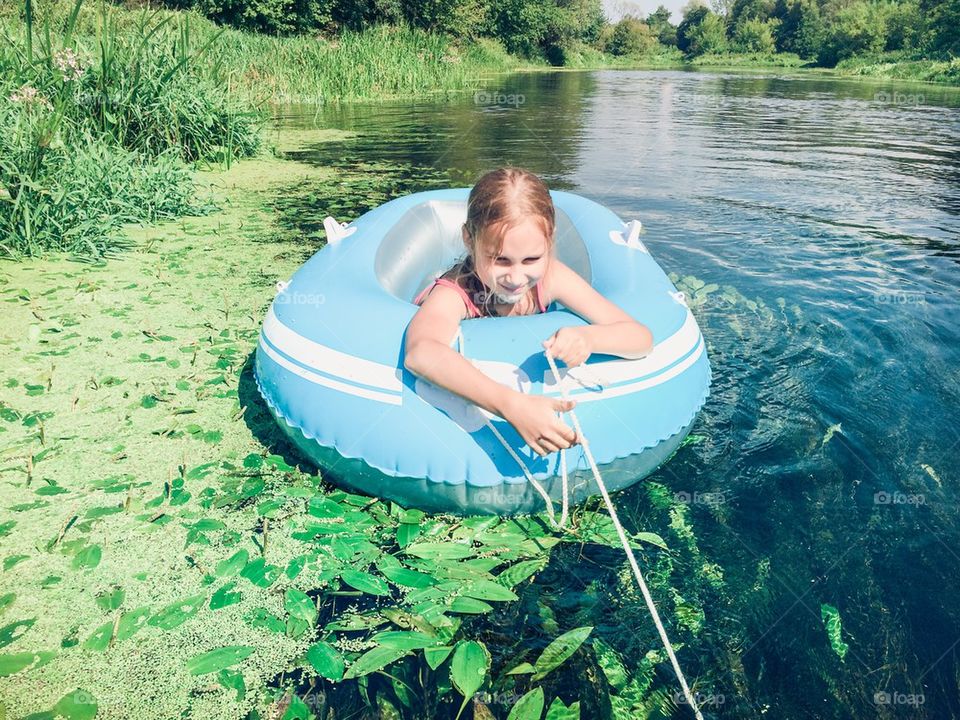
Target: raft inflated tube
pixel 329 364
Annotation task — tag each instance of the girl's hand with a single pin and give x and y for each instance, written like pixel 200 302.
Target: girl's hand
pixel 573 345
pixel 534 417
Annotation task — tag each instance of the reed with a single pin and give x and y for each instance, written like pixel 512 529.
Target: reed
pixel 98 123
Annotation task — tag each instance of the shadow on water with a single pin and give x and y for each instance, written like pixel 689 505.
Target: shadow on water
pixel 814 225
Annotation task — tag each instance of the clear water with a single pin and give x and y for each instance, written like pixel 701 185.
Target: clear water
pixel 831 209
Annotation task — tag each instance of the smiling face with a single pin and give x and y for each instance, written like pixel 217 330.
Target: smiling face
pixel 520 264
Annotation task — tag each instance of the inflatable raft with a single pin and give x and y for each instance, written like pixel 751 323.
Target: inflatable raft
pixel 329 364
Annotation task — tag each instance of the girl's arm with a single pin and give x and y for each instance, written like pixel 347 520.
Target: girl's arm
pixel 427 354
pixel 611 331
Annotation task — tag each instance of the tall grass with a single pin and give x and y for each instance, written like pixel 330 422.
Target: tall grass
pixel 382 61
pixel 95 128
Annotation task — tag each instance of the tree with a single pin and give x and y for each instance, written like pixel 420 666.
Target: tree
pixel 801 27
pixel 693 16
pixel 631 36
pixel 659 23
pixel 463 18
pixel 943 18
pixel 755 36
pixel 854 29
pixel 905 25
pixel 709 36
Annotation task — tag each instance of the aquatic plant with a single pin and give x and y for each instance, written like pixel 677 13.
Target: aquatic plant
pixel 95 135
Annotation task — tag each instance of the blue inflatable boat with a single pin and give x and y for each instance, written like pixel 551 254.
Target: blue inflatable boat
pixel 329 364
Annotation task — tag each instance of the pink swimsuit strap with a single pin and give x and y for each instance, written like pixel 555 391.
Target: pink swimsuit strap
pixel 472 309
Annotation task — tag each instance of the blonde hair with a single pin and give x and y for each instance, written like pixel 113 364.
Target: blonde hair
pixel 504 198
pixel 500 200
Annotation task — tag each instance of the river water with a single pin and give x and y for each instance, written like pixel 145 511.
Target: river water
pixel 827 212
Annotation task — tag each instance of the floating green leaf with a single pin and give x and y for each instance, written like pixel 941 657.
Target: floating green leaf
pixel 110 599
pixel 468 669
pixel 440 551
pixel 6 601
pixel 406 639
pixel 325 659
pixel 232 565
pixel 175 614
pixel 14 631
pixel 561 648
pixel 407 578
pixel 224 596
pixel 218 659
pixel 11 664
pixel 559 711
pixel 233 681
pixel 373 660
pixel 529 707
pixel 469 606
pixel 131 622
pixel 99 639
pixel 365 582
pixel 12 560
pixel 436 656
pixel 488 590
pixel 88 557
pixel 77 705
pixel 260 573
pixel 300 605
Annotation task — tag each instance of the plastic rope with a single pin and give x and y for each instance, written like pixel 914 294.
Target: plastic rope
pixel 651 606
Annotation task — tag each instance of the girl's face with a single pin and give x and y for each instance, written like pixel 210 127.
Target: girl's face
pixel 521 263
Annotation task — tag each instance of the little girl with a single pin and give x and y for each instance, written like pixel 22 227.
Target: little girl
pixel 510 270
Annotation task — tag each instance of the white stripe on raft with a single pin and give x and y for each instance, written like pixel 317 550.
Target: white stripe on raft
pixel 327 360
pixel 328 382
pixel 637 386
pixel 612 372
pixel 596 378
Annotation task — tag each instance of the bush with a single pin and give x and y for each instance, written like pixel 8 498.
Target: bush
pixel 632 37
pixel 710 36
pixel 276 17
pixel 92 137
pixel 755 36
pixel 659 22
pixel 856 29
pixel 70 192
pixel 801 28
pixel 691 20
pixel 943 17
pixel 905 25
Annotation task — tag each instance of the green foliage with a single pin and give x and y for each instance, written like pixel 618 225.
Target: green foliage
pixel 461 18
pixel 276 17
pixel 906 26
pixel 708 36
pixel 943 17
pixel 659 23
pixel 692 19
pixel 854 29
pixel 755 36
pixel 743 10
pixel 94 132
pixel 631 37
pixel 801 27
